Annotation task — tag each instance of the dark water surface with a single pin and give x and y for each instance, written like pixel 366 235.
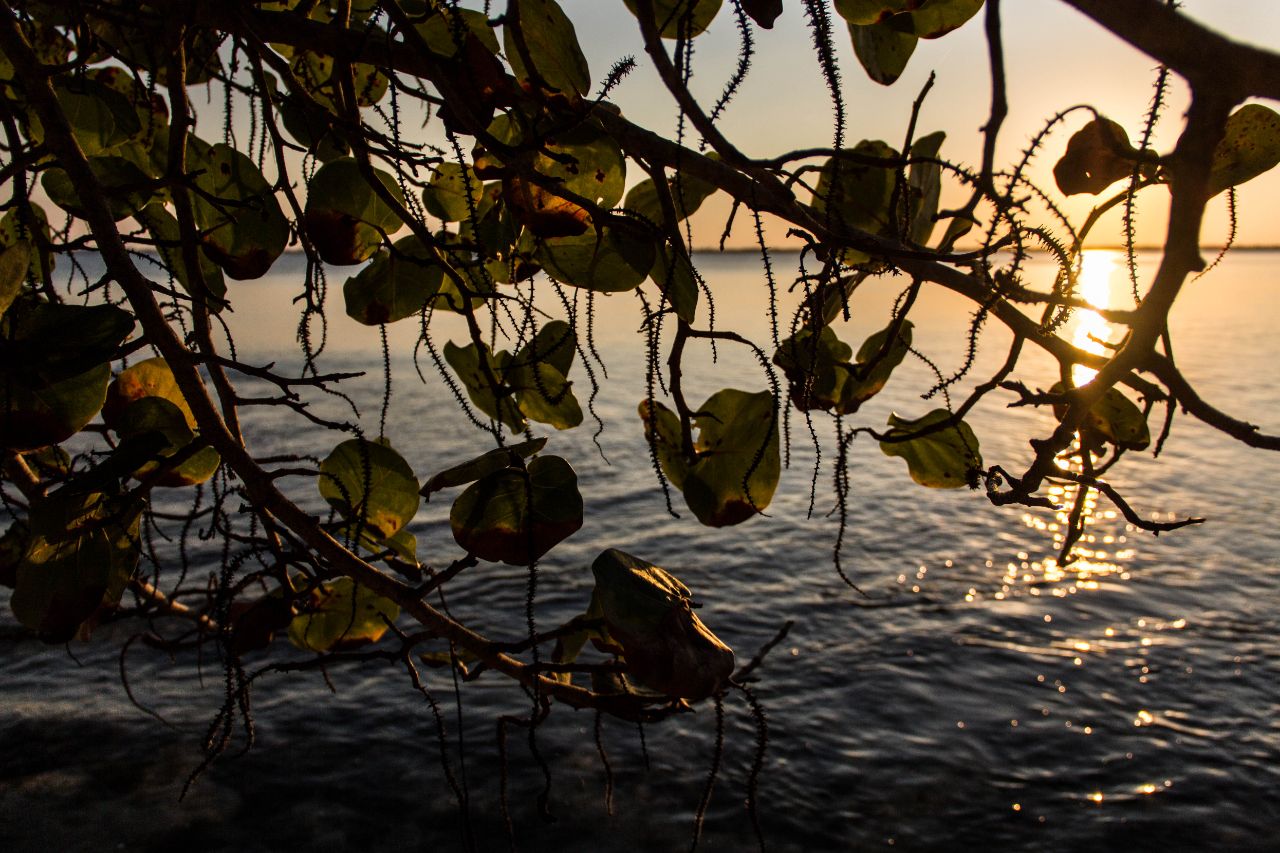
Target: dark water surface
pixel 982 697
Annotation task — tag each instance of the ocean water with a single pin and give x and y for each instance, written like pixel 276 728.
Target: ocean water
pixel 975 695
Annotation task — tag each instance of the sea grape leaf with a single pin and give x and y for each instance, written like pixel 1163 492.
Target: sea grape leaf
pixel 244 230
pixel 662 430
pixel 438 28
pixel 517 515
pixel 48 341
pixel 397 283
pixel 882 50
pixel 1114 419
pixel 552 45
pixel 340 614
pixel 946 459
pixel 868 379
pixel 80 555
pixel 481 466
pixel 156 414
pixel 101 119
pixel 496 403
pixel 126 188
pixel 17 226
pixel 673 273
pixel 164 230
pixel 369 482
pixel 763 12
pixel 924 185
pixel 555 344
pixel 816 367
pixel 584 161
pixel 924 18
pixel 35 417
pixel 1097 155
pixel 614 259
pixel 344 217
pixel 15 261
pixel 1249 147
pixel 543 394
pixel 254 623
pixel 649 612
pixel 858 194
pixel 453 191
pixel 687 195
pixel 150 377
pixel 681 18
pixel 735 467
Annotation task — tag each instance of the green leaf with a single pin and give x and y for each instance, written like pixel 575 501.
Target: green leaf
pixel 551 43
pixel 466 362
pixel 1097 155
pixel 681 18
pixel 369 482
pixel 482 466
pixel 344 217
pixel 615 259
pixel 1249 147
pixel 1114 419
pixel 16 226
pixel 48 341
pixel 150 377
pixel 543 394
pixel 15 261
pixel 648 611
pixel 924 18
pixel 866 379
pixel 438 28
pixel 164 230
pixel 397 284
pixel 453 192
pixel 515 515
pixel 735 467
pixel 81 553
pixel 156 414
pixel 924 184
pixel 340 614
pixel 816 368
pixel 32 417
pixel 882 50
pixel 101 119
pixel 126 188
pixel 674 275
pixel 946 459
pixel 858 194
pixel 687 195
pixel 244 230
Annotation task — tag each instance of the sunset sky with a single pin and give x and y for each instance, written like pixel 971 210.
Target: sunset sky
pixel 1055 58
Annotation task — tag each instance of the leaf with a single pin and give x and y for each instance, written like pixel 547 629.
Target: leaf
pixel 482 465
pixel 674 275
pixel 1098 155
pixel 340 614
pixel 453 192
pixel 164 230
pixel 47 341
pixel 687 195
pixel 736 464
pixel 882 50
pixel 816 369
pixel 945 459
pixel 398 283
pixel 35 417
pixel 125 187
pixel 551 42
pixel 466 362
pixel 681 18
pixel 369 482
pixel 615 259
pixel 924 183
pixel 649 612
pixel 763 12
pixel 14 263
pixel 924 18
pixel 344 217
pixel 438 28
pixel 515 515
pixel 80 555
pixel 858 194
pixel 1249 147
pixel 1114 419
pixel 868 379
pixel 150 377
pixel 155 414
pixel 244 230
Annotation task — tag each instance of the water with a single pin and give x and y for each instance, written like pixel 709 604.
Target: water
pixel 979 697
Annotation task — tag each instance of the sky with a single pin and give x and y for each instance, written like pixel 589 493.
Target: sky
pixel 1055 57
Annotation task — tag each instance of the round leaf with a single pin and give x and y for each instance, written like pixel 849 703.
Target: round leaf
pixel 339 615
pixel 367 481
pixel 516 515
pixel 945 459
